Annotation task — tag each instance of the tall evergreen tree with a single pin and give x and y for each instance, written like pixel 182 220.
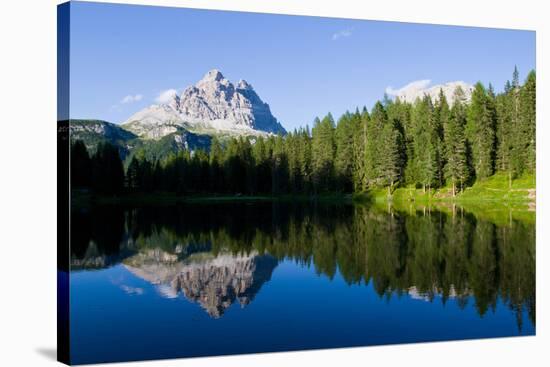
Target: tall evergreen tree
pixel 528 121
pixel 359 125
pixel 505 132
pixel 343 162
pixel 423 168
pixel 456 168
pixel 441 120
pixel 373 149
pixel 262 159
pixel 305 159
pixel 107 170
pixel 323 149
pixel 480 131
pixel 216 178
pixel 280 175
pixel 390 161
pixel 81 165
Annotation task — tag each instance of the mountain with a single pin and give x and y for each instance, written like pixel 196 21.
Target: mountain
pixel 93 132
pixel 412 91
pixel 212 106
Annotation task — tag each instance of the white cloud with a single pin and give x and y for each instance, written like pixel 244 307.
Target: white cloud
pixel 166 96
pixel 132 290
pixel 342 34
pixel 131 98
pixel 416 87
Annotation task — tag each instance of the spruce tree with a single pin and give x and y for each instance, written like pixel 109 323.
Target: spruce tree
pixel 107 170
pixel 441 120
pixel 505 132
pixel 305 159
pixel 359 126
pixel 323 149
pixel 373 148
pixel 280 175
pixel 528 106
pixel 456 168
pixel 480 131
pixel 81 165
pixel 390 160
pixel 343 162
pixel 423 168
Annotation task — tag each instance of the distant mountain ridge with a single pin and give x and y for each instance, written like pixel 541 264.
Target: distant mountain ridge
pixel 212 106
pixel 94 132
pixel 419 89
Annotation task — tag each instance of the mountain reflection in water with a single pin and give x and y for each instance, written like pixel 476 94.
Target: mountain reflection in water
pixel 215 282
pixel 219 254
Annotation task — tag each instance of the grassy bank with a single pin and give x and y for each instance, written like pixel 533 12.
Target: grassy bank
pixel 492 199
pixel 496 188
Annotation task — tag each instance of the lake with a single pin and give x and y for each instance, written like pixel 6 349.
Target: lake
pixel 225 278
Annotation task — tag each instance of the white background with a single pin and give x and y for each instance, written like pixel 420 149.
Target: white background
pixel 28 183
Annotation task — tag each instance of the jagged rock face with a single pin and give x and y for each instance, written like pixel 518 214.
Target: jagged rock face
pixel 212 105
pixel 213 282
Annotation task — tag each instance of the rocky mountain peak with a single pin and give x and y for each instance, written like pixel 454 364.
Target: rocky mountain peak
pixel 243 84
pixel 212 106
pixel 212 75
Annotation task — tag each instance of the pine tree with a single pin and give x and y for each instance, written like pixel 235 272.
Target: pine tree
pixel 280 175
pixel 107 170
pixel 480 131
pixel 423 168
pixel 399 117
pixel 323 149
pixel 291 147
pixel 440 121
pixel 359 126
pixel 505 132
pixel 456 168
pixel 216 178
pixel 305 159
pixel 373 148
pixel 390 161
pixel 262 158
pixel 528 106
pixel 343 162
pixel 81 165
pixel 132 175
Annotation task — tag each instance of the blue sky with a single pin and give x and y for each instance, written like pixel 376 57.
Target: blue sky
pixel 124 56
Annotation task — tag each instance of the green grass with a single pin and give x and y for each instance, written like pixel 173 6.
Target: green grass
pixel 491 199
pixel 493 189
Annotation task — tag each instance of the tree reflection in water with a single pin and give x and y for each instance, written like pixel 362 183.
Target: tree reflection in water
pixel 217 254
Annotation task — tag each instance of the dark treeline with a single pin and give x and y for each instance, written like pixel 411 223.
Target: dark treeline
pixel 452 255
pixel 427 144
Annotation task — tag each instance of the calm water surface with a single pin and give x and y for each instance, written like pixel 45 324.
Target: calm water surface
pixel 198 280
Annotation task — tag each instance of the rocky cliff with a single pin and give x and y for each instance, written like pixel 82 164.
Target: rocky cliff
pixel 213 105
